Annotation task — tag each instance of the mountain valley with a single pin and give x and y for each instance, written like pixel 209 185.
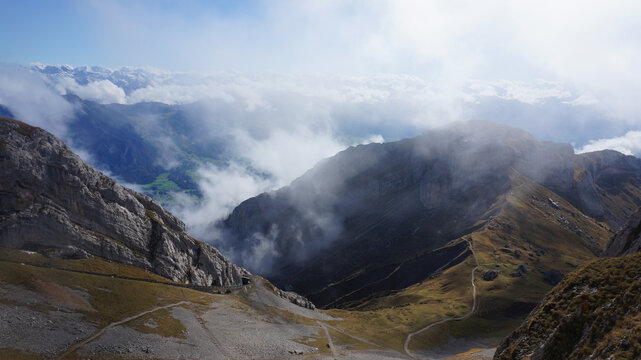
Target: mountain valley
pixel 384 237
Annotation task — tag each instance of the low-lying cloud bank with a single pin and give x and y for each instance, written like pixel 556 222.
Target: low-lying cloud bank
pixel 629 144
pixel 28 97
pixel 393 105
pixel 277 126
pixel 270 163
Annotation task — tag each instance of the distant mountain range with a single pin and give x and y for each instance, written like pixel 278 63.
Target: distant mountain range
pixel 151 144
pixel 127 78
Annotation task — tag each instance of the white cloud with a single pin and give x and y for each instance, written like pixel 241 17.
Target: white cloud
pixel 583 100
pixel 380 102
pixel 375 138
pixel 526 92
pixel 629 144
pixel 286 155
pixel 102 91
pixel 30 100
pixel 223 188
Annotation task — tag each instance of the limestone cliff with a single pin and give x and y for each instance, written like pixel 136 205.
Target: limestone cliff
pixel 52 202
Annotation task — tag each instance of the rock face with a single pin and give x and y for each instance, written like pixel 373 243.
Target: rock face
pixel 594 313
pixel 296 299
pixel 54 203
pixel 356 217
pixel 628 240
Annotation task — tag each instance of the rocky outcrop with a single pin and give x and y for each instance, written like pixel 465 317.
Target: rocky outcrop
pixel 628 240
pixel 594 313
pixel 490 275
pixel 296 299
pixel 51 201
pixel 520 271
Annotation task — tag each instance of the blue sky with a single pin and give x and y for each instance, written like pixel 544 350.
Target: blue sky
pixel 111 33
pixel 524 40
pixel 590 47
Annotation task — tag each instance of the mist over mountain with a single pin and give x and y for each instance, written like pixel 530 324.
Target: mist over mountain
pixel 180 137
pixel 414 179
pixel 373 208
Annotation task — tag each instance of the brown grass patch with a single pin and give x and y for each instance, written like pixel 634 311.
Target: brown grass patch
pixel 62 296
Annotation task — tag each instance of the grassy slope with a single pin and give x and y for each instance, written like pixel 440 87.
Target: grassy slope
pixel 594 311
pixel 537 237
pixel 112 299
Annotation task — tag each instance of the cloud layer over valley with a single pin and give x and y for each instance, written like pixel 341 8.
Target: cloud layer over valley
pixel 276 126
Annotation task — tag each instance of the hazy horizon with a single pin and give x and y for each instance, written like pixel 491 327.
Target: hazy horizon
pixel 291 82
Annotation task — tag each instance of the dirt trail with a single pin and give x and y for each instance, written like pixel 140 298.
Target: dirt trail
pixel 329 339
pixel 409 337
pixel 102 331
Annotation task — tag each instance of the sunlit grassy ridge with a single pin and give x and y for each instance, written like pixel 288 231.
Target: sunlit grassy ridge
pixel 526 229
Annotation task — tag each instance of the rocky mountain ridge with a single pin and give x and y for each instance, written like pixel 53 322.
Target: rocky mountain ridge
pixel 54 203
pixel 358 216
pixel 592 314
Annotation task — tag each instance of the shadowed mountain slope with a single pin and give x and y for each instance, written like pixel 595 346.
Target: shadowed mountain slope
pixel 387 213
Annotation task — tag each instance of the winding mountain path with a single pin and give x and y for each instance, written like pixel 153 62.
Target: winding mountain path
pixel 329 339
pixel 409 337
pixel 102 331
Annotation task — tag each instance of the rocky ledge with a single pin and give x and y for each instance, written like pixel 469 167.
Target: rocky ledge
pixel 296 299
pixel 52 202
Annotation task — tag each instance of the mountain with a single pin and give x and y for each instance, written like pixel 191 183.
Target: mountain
pixel 592 314
pixel 155 145
pixel 370 209
pixel 627 240
pixel 128 79
pixel 52 202
pixel 90 269
pixel 387 235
